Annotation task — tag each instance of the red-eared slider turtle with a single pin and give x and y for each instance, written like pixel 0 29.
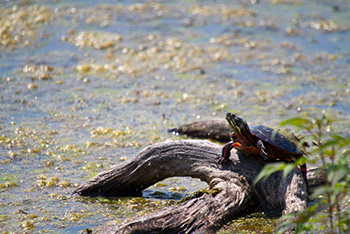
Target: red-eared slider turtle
pixel 260 140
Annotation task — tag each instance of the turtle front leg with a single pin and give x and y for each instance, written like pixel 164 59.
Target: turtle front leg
pixel 261 147
pixel 226 152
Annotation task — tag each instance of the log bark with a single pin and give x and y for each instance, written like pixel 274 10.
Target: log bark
pixel 215 129
pixel 231 187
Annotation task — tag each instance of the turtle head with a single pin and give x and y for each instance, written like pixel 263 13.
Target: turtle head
pixel 238 125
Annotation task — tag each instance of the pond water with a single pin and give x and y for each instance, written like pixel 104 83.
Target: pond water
pixel 85 85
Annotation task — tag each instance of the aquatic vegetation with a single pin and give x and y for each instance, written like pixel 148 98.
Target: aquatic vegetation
pixel 253 223
pixel 97 40
pixel 19 24
pixel 85 86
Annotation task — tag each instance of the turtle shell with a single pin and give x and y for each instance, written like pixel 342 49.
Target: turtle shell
pixel 274 138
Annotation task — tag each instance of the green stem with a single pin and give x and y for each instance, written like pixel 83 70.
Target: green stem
pixel 339 216
pixel 337 197
pixel 328 193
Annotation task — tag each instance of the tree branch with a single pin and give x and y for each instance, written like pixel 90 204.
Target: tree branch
pixel 231 185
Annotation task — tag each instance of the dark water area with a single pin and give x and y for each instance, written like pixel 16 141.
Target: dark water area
pixel 85 85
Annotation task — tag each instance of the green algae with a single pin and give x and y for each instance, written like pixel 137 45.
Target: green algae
pixel 200 193
pixel 253 223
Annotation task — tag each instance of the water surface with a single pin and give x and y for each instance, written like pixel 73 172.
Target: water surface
pixel 86 85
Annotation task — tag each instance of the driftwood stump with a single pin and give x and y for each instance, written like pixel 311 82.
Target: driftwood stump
pixel 230 185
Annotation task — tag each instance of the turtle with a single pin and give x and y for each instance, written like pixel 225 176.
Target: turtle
pixel 260 140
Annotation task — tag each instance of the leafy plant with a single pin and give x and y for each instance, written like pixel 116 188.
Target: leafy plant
pixel 326 212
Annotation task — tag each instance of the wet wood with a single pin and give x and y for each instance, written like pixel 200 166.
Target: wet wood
pixel 231 187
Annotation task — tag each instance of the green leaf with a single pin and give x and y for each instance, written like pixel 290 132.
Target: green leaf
pixel 300 122
pixel 321 190
pixel 301 161
pixel 288 169
pixel 268 170
pixel 336 141
pixel 329 144
pixel 337 173
pixel 336 191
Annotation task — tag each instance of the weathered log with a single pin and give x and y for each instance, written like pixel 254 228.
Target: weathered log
pixel 231 185
pixel 216 129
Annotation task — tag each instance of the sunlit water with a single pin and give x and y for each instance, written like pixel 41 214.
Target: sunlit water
pixel 84 86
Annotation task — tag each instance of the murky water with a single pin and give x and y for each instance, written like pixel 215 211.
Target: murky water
pixel 86 85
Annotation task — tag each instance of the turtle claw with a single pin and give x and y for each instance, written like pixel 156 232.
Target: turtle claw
pixel 222 160
pixel 261 147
